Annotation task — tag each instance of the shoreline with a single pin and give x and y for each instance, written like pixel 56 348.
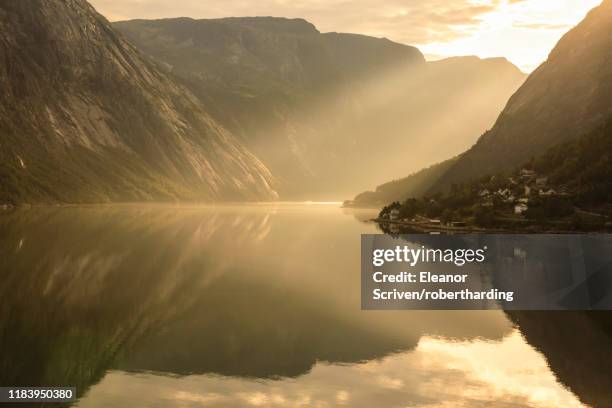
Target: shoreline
pixel 429 228
pixel 441 228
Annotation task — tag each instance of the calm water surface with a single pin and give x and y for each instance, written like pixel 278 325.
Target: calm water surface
pixel 258 306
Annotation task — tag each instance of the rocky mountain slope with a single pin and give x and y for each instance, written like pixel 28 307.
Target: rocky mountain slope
pixel 329 113
pixel 415 185
pixel 84 117
pixel 566 97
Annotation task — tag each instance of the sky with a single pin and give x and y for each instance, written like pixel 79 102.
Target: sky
pixel 523 31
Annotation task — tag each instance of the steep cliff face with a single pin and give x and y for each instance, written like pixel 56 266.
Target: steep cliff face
pixel 330 114
pixel 566 97
pixel 84 117
pixel 255 52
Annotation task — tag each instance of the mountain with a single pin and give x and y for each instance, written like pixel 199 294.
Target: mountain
pixel 566 189
pixel 329 113
pixel 415 185
pixel 566 97
pixel 85 117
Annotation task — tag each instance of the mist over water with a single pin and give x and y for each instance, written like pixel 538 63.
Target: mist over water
pixel 241 305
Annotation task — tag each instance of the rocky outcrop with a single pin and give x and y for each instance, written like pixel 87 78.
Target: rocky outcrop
pixel 85 117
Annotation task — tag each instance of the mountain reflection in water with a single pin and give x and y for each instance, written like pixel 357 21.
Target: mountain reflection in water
pixel 245 305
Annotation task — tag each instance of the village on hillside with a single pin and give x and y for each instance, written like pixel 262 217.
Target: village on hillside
pixel 525 201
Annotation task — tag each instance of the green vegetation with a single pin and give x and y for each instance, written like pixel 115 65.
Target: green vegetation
pixel 568 96
pixel 584 166
pixel 415 185
pixel 568 188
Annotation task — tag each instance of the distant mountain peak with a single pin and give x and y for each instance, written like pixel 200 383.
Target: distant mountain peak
pixel 279 25
pixel 477 59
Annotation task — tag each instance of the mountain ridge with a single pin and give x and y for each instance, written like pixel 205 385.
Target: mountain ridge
pixel 319 109
pixel 564 98
pixel 88 118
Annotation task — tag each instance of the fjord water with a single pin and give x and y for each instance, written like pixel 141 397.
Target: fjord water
pixel 253 305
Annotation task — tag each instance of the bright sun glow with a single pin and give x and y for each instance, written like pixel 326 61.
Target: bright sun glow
pixel 489 369
pixel 522 31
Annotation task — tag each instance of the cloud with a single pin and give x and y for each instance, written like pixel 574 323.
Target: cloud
pixel 542 26
pixel 524 31
pixel 439 372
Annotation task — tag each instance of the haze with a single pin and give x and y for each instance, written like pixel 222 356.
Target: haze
pixel 524 31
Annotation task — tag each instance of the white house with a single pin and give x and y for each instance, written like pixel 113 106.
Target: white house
pixel 528 174
pixel 520 208
pixel 547 193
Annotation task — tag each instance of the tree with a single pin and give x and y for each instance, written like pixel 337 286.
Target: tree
pixel 447 216
pixel 484 217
